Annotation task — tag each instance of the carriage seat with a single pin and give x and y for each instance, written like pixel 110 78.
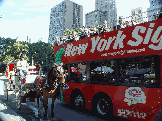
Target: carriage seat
pixel 30 78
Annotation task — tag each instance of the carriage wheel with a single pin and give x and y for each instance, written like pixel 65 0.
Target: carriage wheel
pixel 5 91
pixel 18 100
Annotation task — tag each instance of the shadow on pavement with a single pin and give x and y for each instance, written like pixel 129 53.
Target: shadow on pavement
pixel 90 113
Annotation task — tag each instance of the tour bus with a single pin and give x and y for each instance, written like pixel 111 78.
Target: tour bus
pixel 119 72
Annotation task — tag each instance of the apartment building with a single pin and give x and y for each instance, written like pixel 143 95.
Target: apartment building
pixel 136 15
pixel 95 17
pixel 66 14
pixel 154 9
pixel 104 10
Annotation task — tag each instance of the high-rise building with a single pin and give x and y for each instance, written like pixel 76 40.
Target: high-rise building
pixel 104 10
pixel 67 14
pixel 154 9
pixel 95 17
pixel 136 15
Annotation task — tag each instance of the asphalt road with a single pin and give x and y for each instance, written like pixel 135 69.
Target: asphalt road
pixel 62 111
pixel 28 111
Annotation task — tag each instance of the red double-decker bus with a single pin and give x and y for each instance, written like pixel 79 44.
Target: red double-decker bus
pixel 116 73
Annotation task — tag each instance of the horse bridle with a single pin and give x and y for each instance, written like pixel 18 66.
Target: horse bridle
pixel 55 74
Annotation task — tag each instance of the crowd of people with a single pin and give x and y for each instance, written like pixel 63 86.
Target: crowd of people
pixel 87 32
pixel 94 30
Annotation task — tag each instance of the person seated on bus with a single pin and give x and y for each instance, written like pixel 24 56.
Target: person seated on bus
pixel 22 66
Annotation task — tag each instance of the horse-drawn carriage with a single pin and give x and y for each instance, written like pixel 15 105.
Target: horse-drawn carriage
pixel 21 92
pixel 36 86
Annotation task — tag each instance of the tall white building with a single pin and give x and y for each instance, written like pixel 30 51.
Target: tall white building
pixel 137 15
pixel 104 10
pixel 67 14
pixel 154 9
pixel 95 17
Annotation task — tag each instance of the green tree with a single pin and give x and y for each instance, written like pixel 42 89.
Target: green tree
pixel 41 53
pixel 13 52
pixel 68 32
pixel 5 42
pixel 79 31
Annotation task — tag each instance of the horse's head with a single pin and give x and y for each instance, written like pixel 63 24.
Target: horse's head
pixel 59 72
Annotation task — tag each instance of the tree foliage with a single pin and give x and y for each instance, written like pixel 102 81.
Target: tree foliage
pixel 13 52
pixel 40 51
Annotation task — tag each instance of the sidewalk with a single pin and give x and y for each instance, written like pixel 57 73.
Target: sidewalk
pixel 4 78
pixel 7 114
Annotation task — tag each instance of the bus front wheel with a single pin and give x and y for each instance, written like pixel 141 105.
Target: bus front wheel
pixel 104 107
pixel 78 101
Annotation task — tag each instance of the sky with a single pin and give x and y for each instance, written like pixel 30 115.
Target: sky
pixel 22 18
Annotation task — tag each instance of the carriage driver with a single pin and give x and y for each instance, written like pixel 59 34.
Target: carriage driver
pixel 22 66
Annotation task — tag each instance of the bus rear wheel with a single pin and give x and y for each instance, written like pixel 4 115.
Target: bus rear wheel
pixel 104 107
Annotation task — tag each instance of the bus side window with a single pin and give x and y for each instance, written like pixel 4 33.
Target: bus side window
pixel 108 71
pixel 102 72
pixel 95 72
pixel 74 72
pixel 137 71
pixel 78 72
pixel 82 74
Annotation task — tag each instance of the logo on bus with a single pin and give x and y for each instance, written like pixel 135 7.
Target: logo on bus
pixel 134 95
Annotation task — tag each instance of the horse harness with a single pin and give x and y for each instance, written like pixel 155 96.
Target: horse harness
pixel 47 85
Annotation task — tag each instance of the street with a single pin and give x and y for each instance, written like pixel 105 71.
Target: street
pixel 28 111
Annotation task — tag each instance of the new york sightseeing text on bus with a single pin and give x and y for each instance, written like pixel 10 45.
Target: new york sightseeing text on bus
pixel 116 73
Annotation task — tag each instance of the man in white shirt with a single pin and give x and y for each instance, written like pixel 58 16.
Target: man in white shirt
pixel 22 65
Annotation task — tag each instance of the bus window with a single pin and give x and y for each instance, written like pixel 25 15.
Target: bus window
pixel 78 72
pixel 136 71
pixel 108 71
pixel 73 72
pixel 82 71
pixel 102 72
pixel 95 71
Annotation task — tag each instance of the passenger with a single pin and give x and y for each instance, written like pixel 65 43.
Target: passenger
pixel 22 66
